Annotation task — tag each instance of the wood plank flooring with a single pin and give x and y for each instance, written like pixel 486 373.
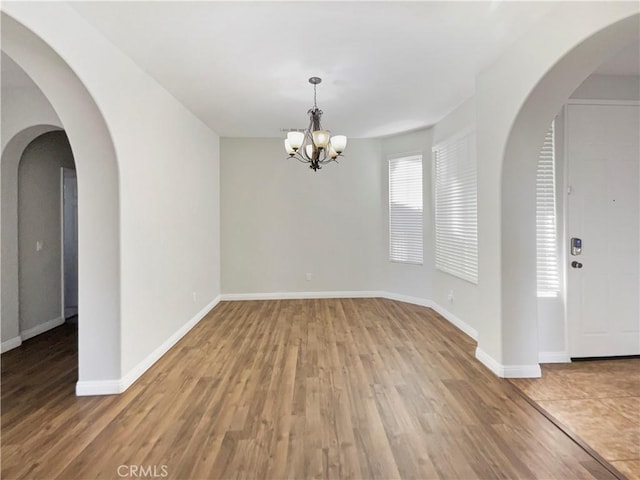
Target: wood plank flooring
pixel 331 388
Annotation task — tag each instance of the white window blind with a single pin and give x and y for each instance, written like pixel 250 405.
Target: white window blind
pixel 405 209
pixel 546 231
pixel 456 207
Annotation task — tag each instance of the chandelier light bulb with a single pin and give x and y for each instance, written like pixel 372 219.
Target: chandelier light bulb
pixel 288 147
pixel 309 151
pixel 339 143
pixel 321 138
pixel 295 139
pixel 332 152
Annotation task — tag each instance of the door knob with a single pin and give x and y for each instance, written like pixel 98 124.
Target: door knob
pixel 576 264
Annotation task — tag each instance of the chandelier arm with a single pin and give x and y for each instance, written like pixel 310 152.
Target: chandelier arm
pixel 324 162
pixel 329 160
pixel 308 140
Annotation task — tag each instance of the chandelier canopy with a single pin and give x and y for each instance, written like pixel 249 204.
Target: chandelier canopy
pixel 315 146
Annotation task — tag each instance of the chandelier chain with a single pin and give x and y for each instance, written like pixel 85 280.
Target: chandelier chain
pixel 315 102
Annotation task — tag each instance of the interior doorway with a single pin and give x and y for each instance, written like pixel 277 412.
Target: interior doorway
pixel 41 234
pixel 603 228
pixel 69 244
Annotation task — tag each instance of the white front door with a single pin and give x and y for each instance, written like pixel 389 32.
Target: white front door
pixel 603 205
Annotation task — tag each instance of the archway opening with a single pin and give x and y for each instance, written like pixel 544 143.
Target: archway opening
pixel 47 235
pixel 519 300
pixel 99 358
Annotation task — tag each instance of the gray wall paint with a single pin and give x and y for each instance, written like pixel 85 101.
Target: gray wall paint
pixel 280 220
pixel 39 220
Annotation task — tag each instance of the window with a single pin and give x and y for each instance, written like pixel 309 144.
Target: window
pixel 546 232
pixel 456 207
pixel 405 209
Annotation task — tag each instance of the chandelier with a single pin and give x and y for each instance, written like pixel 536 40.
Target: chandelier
pixel 315 146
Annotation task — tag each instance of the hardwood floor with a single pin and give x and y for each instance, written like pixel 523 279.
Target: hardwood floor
pixel 596 401
pixel 344 388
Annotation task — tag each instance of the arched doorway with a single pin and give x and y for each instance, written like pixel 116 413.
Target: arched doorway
pixel 9 277
pixel 557 82
pixel 47 274
pixel 98 193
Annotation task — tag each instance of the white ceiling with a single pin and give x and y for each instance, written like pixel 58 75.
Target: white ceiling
pixel 243 67
pixel 387 67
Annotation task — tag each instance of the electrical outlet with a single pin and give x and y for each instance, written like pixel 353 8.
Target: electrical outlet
pixel 39 245
pixel 195 296
pixel 451 296
pixel 309 276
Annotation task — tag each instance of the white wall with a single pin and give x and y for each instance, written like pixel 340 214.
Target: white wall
pixel 281 220
pixel 168 200
pixel 39 220
pixel 170 219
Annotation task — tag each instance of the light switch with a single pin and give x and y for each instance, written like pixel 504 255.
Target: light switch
pixel 38 245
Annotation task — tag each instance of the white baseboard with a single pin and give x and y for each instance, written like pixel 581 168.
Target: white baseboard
pixel 32 332
pixel 110 387
pixel 462 325
pixel 489 362
pixel 423 302
pixel 507 371
pixel 554 357
pixel 443 312
pixel 11 344
pixel 297 295
pixel 43 327
pixel 98 387
pixel 522 371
